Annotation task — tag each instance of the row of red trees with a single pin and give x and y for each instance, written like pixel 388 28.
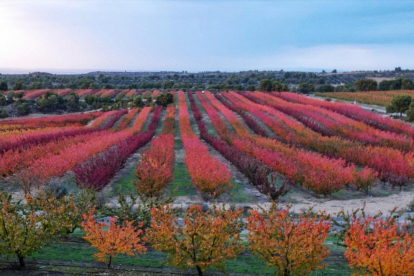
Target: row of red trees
pixel 391 165
pixel 21 142
pixel 354 112
pixel 155 169
pixel 261 176
pixel 314 171
pixel 96 172
pixel 210 175
pixel 330 123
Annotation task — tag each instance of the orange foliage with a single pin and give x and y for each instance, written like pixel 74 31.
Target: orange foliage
pixel 293 246
pixel 155 170
pixel 202 239
pixel 117 239
pixel 378 247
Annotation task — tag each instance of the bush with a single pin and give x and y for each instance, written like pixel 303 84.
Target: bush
pixel 164 99
pixel 23 108
pixel 3 100
pixel 3 113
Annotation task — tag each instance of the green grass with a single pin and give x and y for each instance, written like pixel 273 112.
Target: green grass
pixel 181 185
pixel 238 193
pixel 126 184
pixel 245 263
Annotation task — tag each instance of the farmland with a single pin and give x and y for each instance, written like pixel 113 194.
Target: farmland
pixel 381 98
pixel 111 93
pixel 234 148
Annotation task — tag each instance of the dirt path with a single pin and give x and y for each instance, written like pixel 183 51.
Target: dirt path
pixel 373 204
pixel 368 107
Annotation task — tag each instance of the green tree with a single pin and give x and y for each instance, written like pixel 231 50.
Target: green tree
pixel 3 86
pixel 18 85
pixel 19 95
pixel 278 86
pixel 306 88
pixel 3 100
pixel 400 104
pixel 410 112
pixel 325 88
pixel 164 99
pixel 23 108
pixel 10 97
pixel 250 88
pixel 366 85
pixel 137 102
pixel 72 101
pixel 265 85
pixel 407 84
pixel 3 113
pixel 35 85
pixel 50 101
pixel 167 84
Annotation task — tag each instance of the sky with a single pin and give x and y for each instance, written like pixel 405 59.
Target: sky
pixel 86 35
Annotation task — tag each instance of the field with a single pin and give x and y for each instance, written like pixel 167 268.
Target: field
pixel 111 93
pixel 234 148
pixel 381 98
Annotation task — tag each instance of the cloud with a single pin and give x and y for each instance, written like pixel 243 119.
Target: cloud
pixel 345 57
pixel 206 35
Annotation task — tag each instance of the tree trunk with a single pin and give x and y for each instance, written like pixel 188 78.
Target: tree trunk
pixel 110 262
pixel 200 272
pixel 21 262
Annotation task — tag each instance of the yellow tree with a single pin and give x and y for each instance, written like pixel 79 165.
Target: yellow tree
pixel 202 239
pixel 112 239
pixel 26 227
pixel 293 246
pixel 379 247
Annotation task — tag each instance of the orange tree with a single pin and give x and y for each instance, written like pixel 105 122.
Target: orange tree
pixel 202 239
pixel 379 247
pixel 112 239
pixel 26 227
pixel 293 246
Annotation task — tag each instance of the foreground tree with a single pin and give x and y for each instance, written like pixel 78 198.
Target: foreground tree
pixel 27 227
pixel 112 239
pixel 346 220
pixel 376 246
pixel 293 246
pixel 203 239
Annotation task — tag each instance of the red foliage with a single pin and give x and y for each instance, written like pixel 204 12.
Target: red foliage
pixel 98 170
pixel 207 173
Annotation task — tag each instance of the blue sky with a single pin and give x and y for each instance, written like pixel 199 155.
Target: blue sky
pixel 62 36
